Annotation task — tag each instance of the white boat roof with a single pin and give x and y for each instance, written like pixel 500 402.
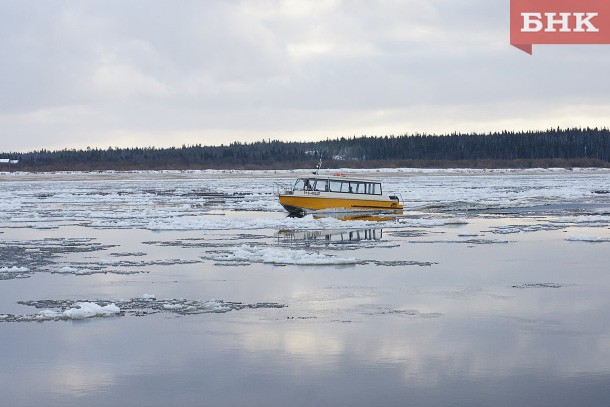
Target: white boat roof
pixel 339 177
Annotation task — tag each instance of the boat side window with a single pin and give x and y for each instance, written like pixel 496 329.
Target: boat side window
pixel 321 185
pixel 358 187
pixel 349 187
pixel 373 188
pixel 335 185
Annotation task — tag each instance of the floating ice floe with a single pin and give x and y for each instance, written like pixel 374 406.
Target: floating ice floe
pixel 584 220
pixel 145 263
pixel 120 200
pixel 76 271
pixel 147 304
pixel 275 255
pixel 85 271
pixel 14 272
pixel 13 269
pixel 247 254
pixel 465 241
pixel 148 297
pixel 394 263
pixel 589 239
pixel 510 229
pixel 380 309
pixel 537 285
pixel 431 222
pixel 79 310
pixel 42 255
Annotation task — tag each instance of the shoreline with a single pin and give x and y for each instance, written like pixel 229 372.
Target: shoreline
pixel 210 174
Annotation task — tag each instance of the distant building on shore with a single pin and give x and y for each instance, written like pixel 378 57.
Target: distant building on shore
pixel 8 161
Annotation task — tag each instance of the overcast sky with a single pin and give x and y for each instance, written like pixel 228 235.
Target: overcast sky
pixel 165 73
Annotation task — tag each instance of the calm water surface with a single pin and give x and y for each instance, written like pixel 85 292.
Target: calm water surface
pixel 493 290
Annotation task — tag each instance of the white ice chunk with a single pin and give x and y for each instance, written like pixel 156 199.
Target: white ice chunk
pixel 173 306
pixel 90 309
pixel 13 269
pixel 77 271
pixel 148 297
pixel 48 314
pixel 81 310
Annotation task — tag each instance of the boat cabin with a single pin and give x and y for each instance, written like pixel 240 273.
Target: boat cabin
pixel 342 185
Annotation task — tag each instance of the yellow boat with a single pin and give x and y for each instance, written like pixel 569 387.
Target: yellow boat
pixel 321 193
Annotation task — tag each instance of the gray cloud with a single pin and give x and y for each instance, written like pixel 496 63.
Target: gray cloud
pixel 102 73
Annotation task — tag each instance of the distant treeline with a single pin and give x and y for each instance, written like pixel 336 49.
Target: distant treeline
pixel 556 147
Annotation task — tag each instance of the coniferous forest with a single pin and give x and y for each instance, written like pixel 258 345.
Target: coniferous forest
pixel 551 148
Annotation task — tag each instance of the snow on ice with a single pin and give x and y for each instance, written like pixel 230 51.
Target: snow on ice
pixel 275 255
pixel 80 310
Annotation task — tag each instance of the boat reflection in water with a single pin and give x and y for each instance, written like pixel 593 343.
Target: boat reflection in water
pixel 345 235
pixel 329 236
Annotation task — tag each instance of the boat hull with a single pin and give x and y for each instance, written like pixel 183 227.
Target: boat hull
pixel 296 203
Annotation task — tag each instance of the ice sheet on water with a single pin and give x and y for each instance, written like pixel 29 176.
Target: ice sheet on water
pixel 41 255
pixel 76 310
pixel 409 233
pixel 465 241
pixel 148 297
pixel 23 258
pixel 175 202
pixel 13 269
pixel 511 229
pixel 588 239
pixel 600 220
pixel 281 255
pixel 247 254
pixel 87 271
pixel 397 263
pixel 13 272
pixel 537 285
pixel 147 304
pixel 122 267
pixel 258 174
pixel 380 309
pixel 145 263
pixel 128 254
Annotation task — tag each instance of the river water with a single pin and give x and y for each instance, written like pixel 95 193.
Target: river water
pixel 195 289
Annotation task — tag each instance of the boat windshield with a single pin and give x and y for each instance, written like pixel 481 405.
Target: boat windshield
pixel 311 184
pixel 300 184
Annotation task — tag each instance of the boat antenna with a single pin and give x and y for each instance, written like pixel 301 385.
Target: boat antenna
pixel 318 166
